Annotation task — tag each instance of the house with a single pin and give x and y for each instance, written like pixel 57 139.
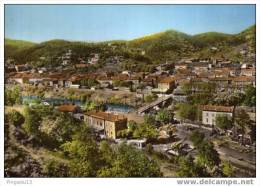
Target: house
pixel 181 66
pixel 81 66
pixel 21 68
pixel 200 67
pixel 248 72
pixel 165 85
pixel 66 58
pixel 69 108
pixel 242 82
pixel 94 59
pixel 25 78
pixel 109 123
pixel 221 82
pixel 210 112
pixel 245 66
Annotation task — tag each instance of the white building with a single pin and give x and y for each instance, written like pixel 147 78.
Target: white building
pixel 210 112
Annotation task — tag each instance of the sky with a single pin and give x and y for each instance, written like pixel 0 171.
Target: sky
pixel 39 23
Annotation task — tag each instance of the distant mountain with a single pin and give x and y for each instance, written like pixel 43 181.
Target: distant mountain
pixel 158 47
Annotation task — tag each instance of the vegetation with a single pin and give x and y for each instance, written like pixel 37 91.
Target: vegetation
pixel 187 111
pixel 242 120
pixel 227 169
pixel 130 162
pixel 88 83
pixel 150 98
pixel 145 130
pixel 250 96
pixel 224 122
pixel 208 157
pixel 189 168
pixel 164 116
pixel 170 45
pixel 197 138
pixel 12 96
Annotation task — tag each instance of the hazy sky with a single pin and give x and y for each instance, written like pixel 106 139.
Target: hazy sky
pixel 108 22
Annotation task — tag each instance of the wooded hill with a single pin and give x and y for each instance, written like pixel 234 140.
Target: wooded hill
pixel 170 45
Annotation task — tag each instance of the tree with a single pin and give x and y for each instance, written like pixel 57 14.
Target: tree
pixel 107 152
pixel 56 169
pixel 149 98
pixel 12 96
pixel 227 169
pixel 197 138
pixel 132 125
pixel 32 121
pixel 243 121
pixel 164 116
pixel 89 82
pixel 85 158
pixel 250 96
pixel 149 119
pixel 235 99
pixel 224 121
pixel 188 168
pixel 207 155
pixel 187 111
pixel 145 131
pixel 130 162
pixel 16 118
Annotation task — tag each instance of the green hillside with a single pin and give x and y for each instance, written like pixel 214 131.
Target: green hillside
pixel 13 46
pixel 158 47
pixel 18 43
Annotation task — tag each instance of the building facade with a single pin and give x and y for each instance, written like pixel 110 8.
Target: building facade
pixel 210 112
pixel 107 123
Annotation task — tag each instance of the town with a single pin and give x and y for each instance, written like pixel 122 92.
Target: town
pixel 188 117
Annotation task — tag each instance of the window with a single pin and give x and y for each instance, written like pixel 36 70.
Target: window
pixel 207 114
pixel 207 120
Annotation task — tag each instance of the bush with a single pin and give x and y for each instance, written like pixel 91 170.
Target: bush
pixel 16 118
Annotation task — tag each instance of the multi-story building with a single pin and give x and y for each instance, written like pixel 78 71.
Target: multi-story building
pixel 109 123
pixel 210 112
pixel 165 85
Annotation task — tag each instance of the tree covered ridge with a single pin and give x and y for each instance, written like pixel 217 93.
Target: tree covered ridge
pixel 170 44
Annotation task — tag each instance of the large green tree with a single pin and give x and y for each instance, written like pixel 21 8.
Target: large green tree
pixel 164 116
pixel 130 162
pixel 197 138
pixel 207 155
pixel 242 120
pixel 224 122
pixel 85 158
pixel 250 96
pixel 227 169
pixel 187 111
pixel 16 118
pixel 32 121
pixel 187 167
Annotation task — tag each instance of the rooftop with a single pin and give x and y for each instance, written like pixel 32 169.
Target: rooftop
pixel 167 80
pixel 68 108
pixel 217 108
pixel 106 116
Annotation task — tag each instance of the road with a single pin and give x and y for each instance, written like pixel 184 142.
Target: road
pixel 246 160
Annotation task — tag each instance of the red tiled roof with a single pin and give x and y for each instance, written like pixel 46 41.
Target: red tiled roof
pixel 68 108
pixel 106 116
pixel 167 80
pixel 217 108
pixel 244 78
